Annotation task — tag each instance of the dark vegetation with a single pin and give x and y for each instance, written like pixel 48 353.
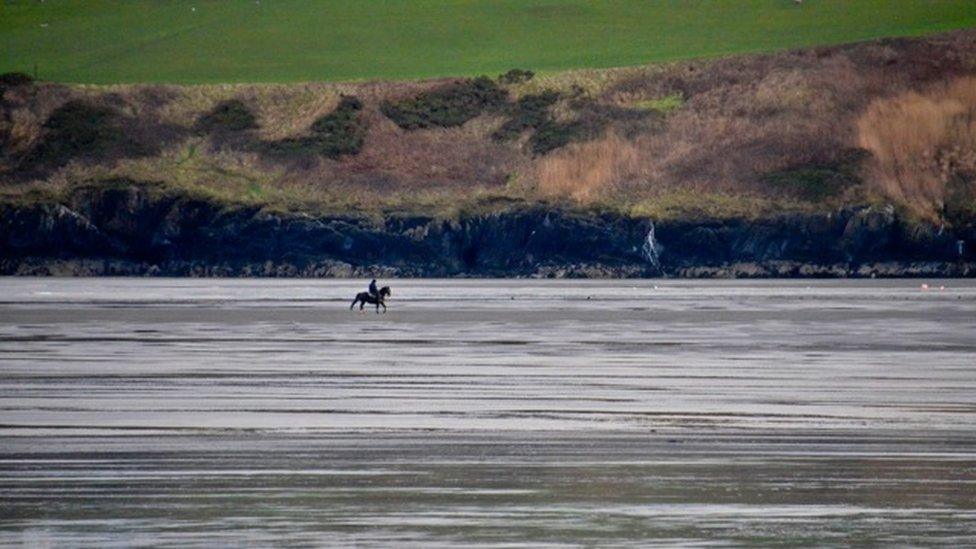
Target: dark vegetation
pixel 533 112
pixel 13 80
pixel 818 182
pixel 447 106
pixel 551 135
pixel 516 76
pixel 10 80
pixel 341 132
pixel 227 116
pixel 960 205
pixel 529 112
pixel 79 129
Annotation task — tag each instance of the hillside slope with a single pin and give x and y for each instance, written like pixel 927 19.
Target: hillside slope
pixel 880 134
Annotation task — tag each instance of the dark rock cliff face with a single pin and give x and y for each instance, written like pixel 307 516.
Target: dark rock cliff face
pixel 127 230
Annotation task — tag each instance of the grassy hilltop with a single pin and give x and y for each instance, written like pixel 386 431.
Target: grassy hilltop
pixel 207 41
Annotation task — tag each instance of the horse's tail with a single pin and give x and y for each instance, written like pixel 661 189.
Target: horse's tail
pixel 354 302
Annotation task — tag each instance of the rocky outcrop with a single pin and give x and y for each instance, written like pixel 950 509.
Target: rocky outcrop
pixel 855 242
pixel 134 229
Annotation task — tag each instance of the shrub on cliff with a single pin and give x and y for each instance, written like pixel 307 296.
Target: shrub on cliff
pixel 516 76
pixel 446 106
pixel 341 132
pixel 819 182
pixel 10 80
pixel 590 120
pixel 79 128
pixel 227 116
pixel 960 206
pixel 529 112
pixel 342 121
pixel 552 135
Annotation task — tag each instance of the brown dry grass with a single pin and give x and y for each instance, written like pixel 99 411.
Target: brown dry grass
pixel 919 142
pixel 585 172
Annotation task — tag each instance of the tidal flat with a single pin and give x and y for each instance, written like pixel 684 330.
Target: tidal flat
pixel 203 412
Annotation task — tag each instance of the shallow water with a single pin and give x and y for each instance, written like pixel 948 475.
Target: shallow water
pixel 216 412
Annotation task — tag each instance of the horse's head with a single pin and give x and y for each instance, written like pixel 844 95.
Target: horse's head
pixel 385 291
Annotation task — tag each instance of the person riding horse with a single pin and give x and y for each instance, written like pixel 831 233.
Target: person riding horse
pixel 373 297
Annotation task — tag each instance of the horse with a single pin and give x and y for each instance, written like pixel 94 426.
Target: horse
pixel 365 297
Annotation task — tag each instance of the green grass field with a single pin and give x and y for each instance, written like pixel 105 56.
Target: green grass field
pixel 209 41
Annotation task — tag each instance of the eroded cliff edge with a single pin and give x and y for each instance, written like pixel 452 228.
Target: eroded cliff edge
pixel 127 229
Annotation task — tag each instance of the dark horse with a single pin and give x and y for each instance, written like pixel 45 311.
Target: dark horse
pixel 364 297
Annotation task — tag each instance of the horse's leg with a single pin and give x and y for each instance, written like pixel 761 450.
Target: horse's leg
pixel 383 303
pixel 354 301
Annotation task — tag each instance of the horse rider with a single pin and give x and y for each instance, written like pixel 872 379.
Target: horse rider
pixel 373 291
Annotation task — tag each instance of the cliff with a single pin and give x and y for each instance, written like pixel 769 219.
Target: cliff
pixel 131 229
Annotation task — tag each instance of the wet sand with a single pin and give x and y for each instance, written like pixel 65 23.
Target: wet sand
pixel 203 412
